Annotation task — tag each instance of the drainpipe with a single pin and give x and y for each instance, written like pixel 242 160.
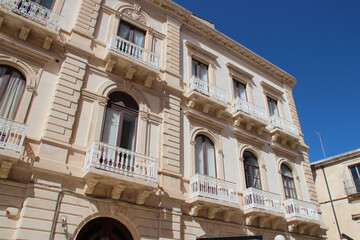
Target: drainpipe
pixel 56 214
pixel 331 201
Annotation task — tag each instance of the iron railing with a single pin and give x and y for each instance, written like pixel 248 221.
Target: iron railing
pixel 286 125
pixel 133 51
pixel 201 86
pixel 242 105
pixel 122 161
pixel 12 134
pixel 297 208
pixel 210 187
pixel 34 12
pixel 256 198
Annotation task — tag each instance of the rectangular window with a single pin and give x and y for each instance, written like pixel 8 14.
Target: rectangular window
pixel 199 70
pixel 131 33
pixel 355 172
pixel 272 104
pixel 239 90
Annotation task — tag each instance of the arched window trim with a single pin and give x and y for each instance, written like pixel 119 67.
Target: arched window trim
pixel 30 78
pixel 251 168
pixel 295 178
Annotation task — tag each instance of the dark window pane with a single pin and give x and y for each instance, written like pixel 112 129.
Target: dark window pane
pixel 128 132
pixel 47 3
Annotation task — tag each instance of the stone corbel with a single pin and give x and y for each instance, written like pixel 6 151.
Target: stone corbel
pixel 237 122
pixel 47 42
pixel 141 197
pixel 206 108
pixel 110 64
pixel 294 144
pixel 274 223
pixel 227 215
pixel 284 140
pixel 219 113
pixel 130 73
pixel 148 81
pixel 250 220
pixel 302 228
pixel 117 190
pixel 192 103
pixel 275 137
pixel 212 212
pixel 260 130
pixel 90 185
pixel 5 169
pixel 195 210
pixel 249 125
pixel 292 227
pixel 24 32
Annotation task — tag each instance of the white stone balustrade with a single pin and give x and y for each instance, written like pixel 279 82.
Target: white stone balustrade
pixel 256 198
pixel 133 51
pixel 201 86
pixel 210 187
pixel 34 12
pixel 286 125
pixel 122 161
pixel 298 208
pixel 352 187
pixel 242 105
pixel 12 134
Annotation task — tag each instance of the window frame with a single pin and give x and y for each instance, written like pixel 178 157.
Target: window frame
pixel 10 70
pixel 39 2
pixel 133 28
pixel 251 166
pixel 122 110
pixel 205 158
pixel 271 100
pixel 198 66
pixel 236 84
pixel 289 192
pixel 356 183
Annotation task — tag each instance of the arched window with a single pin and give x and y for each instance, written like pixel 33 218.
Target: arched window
pixel 252 173
pixel 121 121
pixel 288 182
pixel 12 85
pixel 205 156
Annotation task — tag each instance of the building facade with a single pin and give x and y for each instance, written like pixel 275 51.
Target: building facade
pixel 138 120
pixel 337 181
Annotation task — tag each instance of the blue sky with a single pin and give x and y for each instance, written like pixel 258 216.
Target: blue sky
pixel 317 42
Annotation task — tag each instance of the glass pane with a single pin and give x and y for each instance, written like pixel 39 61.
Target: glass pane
pixel 210 154
pixel 47 3
pixel 194 68
pixel 128 132
pixel 111 130
pixel 124 31
pixel 138 38
pixel 250 158
pixel 236 92
pixel 274 106
pixel 203 69
pixel 199 159
pixel 286 171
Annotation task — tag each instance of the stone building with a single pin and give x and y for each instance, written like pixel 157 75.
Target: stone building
pixel 129 119
pixel 337 181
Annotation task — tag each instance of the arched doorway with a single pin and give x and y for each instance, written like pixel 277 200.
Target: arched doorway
pixel 104 229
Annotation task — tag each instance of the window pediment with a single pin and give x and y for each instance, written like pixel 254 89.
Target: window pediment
pixel 239 74
pixel 271 91
pixel 200 54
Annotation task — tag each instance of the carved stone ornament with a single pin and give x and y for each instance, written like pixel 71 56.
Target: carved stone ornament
pixel 142 197
pixel 135 14
pixel 90 185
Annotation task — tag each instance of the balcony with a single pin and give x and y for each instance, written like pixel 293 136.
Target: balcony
pixel 249 114
pixel 12 135
pixel 284 131
pixel 213 188
pixel 300 211
pixel 131 58
pixel 352 187
pixel 120 168
pixel 27 16
pixel 259 200
pixel 206 97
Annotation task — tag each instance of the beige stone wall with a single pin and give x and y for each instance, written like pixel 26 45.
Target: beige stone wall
pixel 69 75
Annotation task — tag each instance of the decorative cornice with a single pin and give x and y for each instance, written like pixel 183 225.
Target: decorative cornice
pixel 229 44
pixel 197 51
pixel 238 73
pixel 271 91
